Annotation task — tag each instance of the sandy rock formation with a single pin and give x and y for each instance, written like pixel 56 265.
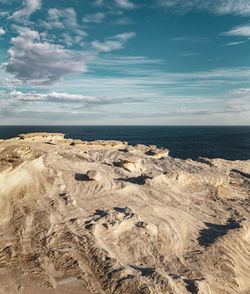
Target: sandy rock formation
pixel 150 150
pixel 41 136
pixel 105 217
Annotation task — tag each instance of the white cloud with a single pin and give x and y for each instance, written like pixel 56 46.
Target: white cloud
pixel 10 84
pixel 221 7
pixel 121 61
pixel 240 92
pixel 80 32
pixel 70 39
pixel 169 3
pixel 94 18
pixel 2 31
pixel 113 4
pixel 41 63
pixel 61 19
pixel 136 76
pixel 242 31
pixel 113 43
pixel 30 6
pixel 191 39
pixel 107 46
pixel 64 20
pixel 241 100
pixel 124 21
pixel 188 54
pixel 235 43
pixel 4 13
pixel 99 2
pixel 124 36
pixel 20 98
pixel 239 7
pixel 124 4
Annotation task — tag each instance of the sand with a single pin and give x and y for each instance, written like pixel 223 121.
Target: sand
pixel 106 217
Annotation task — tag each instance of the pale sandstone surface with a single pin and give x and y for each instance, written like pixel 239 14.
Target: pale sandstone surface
pixel 106 217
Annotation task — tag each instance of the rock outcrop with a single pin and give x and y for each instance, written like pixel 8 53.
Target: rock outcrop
pixel 106 217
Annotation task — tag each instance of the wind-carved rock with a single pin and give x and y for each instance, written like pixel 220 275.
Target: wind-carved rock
pixel 106 217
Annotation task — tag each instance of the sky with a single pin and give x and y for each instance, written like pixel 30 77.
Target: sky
pixel 125 62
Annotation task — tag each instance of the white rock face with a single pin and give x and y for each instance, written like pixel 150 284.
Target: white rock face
pixel 105 217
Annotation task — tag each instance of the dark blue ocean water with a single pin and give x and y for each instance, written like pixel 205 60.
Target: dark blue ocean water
pixel 183 141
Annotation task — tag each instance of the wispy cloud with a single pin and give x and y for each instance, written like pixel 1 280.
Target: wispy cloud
pixel 65 22
pixel 18 98
pixel 191 39
pixel 242 31
pixel 107 46
pixel 112 4
pixel 188 54
pixel 98 2
pixel 235 43
pixel 222 7
pixel 124 21
pixel 30 6
pixel 112 43
pixel 60 19
pixel 120 61
pixel 69 39
pixel 94 18
pixel 240 101
pixel 240 92
pixel 125 4
pixel 139 77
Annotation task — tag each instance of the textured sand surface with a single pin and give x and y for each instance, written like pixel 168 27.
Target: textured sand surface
pixel 105 217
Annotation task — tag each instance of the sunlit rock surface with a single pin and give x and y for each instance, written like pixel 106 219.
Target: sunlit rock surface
pixel 106 217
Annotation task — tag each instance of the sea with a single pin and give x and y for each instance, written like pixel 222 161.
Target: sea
pixel 228 142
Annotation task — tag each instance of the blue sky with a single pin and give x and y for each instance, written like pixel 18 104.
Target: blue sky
pixel 125 62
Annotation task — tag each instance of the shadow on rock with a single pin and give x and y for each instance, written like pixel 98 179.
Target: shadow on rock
pixel 214 231
pixel 81 177
pixel 140 180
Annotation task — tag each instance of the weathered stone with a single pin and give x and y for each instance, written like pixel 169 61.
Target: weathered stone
pixel 130 165
pixel 142 224
pixel 93 175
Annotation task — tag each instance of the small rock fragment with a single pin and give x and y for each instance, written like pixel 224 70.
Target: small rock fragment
pixel 93 175
pixel 128 211
pixel 142 224
pixel 130 165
